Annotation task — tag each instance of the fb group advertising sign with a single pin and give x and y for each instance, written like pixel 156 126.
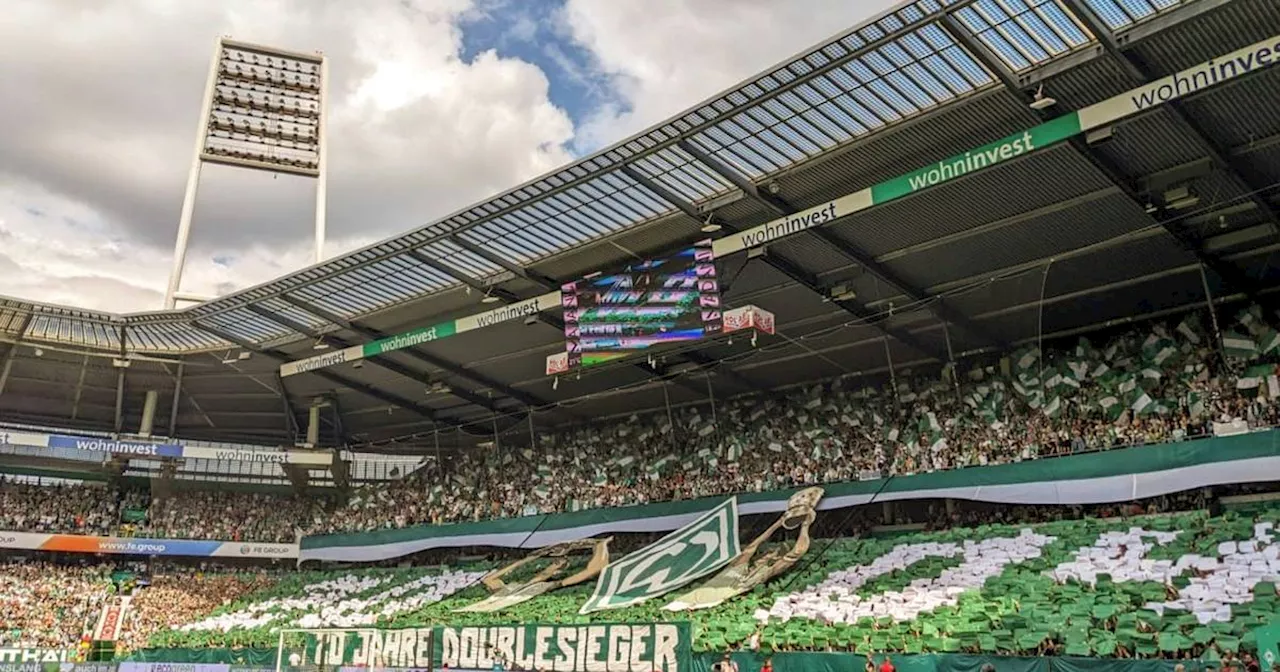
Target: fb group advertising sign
pixel 72 543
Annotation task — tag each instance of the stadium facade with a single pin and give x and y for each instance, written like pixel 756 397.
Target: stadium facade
pixel 1159 203
pixel 954 181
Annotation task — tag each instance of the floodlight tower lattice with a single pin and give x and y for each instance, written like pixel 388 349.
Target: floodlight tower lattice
pixel 264 109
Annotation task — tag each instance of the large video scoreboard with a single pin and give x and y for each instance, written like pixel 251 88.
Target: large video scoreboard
pixel 646 305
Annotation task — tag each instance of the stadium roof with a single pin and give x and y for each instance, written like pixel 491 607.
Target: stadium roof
pixel 1081 235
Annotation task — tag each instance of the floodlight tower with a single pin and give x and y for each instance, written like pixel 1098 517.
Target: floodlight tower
pixel 264 109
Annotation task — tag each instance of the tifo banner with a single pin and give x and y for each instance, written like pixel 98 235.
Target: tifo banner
pixel 71 543
pixel 650 647
pixel 507 595
pixel 745 572
pixel 91 445
pixel 111 618
pixel 676 560
pixel 1240 63
pixel 1268 640
pixel 1118 475
pixel 369 648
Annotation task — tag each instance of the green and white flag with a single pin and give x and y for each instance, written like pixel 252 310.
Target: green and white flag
pixel 1190 330
pixel 1196 405
pixel 1144 404
pixel 1269 342
pixel 678 559
pixel 1239 347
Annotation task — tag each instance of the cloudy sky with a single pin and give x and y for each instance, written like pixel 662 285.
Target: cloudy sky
pixel 434 104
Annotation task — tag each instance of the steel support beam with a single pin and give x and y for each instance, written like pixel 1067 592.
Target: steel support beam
pixel 784 266
pixel 12 351
pixel 488 290
pixel 177 397
pixel 526 273
pixel 548 283
pixel 337 379
pixel 529 400
pixel 777 261
pixel 779 205
pixel 1167 220
pixel 1142 73
pixel 787 268
pixel 79 393
pixel 290 415
pixel 339 428
pixel 380 362
pixel 118 424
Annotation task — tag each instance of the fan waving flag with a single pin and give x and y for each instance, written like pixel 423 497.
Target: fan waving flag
pixel 678 559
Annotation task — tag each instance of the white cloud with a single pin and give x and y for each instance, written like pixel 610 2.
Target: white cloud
pixel 668 55
pixel 55 250
pixel 100 103
pixel 100 106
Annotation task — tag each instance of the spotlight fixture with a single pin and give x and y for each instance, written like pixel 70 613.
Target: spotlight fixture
pixel 1041 101
pixel 710 226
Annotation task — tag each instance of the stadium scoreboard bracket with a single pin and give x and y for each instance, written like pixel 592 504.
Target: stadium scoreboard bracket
pixel 653 303
pixel 738 319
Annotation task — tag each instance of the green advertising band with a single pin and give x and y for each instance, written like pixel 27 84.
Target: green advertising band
pixel 1207 75
pixel 1116 475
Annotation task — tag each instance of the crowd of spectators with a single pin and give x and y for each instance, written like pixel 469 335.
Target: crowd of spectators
pixel 50 606
pixel 71 509
pixel 95 509
pixel 1158 382
pixel 1161 382
pixel 182 596
pixel 229 517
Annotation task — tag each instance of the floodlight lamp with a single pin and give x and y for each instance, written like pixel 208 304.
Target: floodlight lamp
pixel 710 226
pixel 1041 101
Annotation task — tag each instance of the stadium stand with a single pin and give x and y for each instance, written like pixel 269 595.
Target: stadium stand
pixel 1159 383
pixel 1156 384
pixel 1140 374
pixel 1146 579
pixel 49 605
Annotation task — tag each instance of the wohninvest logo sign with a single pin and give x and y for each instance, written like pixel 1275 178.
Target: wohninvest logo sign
pixel 116 447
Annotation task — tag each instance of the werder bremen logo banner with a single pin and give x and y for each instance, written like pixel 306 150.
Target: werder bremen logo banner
pixel 684 556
